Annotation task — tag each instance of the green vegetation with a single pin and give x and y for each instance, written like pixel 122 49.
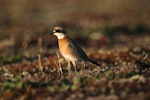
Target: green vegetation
pixel 11 59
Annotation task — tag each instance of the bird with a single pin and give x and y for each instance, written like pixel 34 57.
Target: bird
pixel 69 49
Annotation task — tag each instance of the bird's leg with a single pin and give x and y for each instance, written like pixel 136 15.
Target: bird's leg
pixel 83 63
pixel 82 66
pixel 69 68
pixel 74 65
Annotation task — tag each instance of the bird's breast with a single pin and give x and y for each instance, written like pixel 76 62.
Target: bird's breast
pixel 66 50
pixel 63 45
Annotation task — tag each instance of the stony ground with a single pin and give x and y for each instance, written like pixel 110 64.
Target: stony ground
pixel 32 68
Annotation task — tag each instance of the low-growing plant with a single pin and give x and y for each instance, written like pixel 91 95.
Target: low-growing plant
pixel 11 59
pixel 109 74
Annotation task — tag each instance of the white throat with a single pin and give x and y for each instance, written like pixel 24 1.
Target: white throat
pixel 59 35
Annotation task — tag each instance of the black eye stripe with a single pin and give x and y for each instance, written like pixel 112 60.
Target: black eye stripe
pixel 58 30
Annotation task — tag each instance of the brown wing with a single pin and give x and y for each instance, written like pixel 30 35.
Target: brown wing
pixel 80 53
pixel 77 49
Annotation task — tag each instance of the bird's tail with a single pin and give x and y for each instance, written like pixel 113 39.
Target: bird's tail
pixel 93 61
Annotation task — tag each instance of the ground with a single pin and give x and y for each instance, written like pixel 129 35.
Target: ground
pixel 32 68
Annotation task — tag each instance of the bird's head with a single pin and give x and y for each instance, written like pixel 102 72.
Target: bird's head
pixel 59 32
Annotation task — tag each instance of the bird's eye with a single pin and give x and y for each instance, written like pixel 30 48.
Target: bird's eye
pixel 58 30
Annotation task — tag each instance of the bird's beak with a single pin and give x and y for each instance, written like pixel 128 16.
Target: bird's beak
pixel 51 33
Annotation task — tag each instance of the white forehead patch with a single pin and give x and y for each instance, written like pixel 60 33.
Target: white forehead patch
pixel 54 30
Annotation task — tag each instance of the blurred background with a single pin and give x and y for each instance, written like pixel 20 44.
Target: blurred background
pixel 25 24
pixel 81 12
